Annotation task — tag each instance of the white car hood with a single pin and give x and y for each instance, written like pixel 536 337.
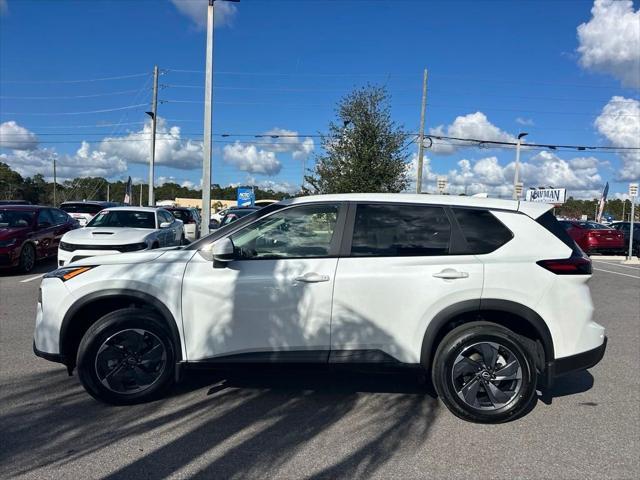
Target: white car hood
pixel 107 235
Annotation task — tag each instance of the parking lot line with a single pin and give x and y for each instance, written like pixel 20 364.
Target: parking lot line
pixel 617 264
pixel 32 278
pixel 616 273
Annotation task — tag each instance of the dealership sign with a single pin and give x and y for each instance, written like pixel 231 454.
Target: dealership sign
pixel 547 195
pixel 246 197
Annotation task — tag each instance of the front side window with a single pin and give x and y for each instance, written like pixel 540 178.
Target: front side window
pixel 15 218
pixel 297 232
pixel 400 230
pixel 59 216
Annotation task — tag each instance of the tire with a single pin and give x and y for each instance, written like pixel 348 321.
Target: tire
pixel 459 370
pixel 27 258
pixel 126 357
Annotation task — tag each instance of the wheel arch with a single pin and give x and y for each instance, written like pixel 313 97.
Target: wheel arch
pixel 97 304
pixel 515 316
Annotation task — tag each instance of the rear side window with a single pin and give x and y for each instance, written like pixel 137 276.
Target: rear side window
pixel 484 232
pixel 549 221
pixel 400 230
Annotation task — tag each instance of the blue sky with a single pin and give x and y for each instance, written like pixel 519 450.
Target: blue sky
pixel 495 68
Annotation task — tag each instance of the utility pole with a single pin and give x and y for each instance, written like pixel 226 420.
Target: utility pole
pixel 140 193
pixel 108 185
pixel 516 195
pixel 153 115
pixel 421 134
pixel 208 120
pixel 54 183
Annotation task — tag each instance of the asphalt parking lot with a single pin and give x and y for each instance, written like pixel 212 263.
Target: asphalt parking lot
pixel 319 424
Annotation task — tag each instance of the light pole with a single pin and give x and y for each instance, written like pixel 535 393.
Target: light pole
pixel 516 195
pixel 153 114
pixel 633 193
pixel 208 122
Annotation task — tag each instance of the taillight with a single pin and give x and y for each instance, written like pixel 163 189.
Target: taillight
pixel 574 265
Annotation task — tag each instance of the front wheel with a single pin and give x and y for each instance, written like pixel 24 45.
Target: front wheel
pixel 126 357
pixel 27 258
pixel 483 373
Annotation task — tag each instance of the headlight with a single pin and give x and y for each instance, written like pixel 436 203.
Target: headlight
pixel 133 247
pixel 66 247
pixel 67 273
pixel 8 243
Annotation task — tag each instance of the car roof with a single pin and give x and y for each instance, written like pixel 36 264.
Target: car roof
pixel 23 207
pixel 89 202
pixel 135 209
pixel 532 209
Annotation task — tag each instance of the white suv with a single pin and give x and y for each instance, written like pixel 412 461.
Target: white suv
pixel 489 296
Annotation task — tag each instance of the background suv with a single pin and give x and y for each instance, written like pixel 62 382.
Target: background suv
pixel 485 295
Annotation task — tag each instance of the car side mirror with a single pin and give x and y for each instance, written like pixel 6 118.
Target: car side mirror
pixel 165 224
pixel 44 225
pixel 223 252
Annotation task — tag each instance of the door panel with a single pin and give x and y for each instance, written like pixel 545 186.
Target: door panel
pixel 275 296
pixel 399 275
pixel 386 303
pixel 256 306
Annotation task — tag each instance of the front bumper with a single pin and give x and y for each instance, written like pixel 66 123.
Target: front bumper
pixel 52 357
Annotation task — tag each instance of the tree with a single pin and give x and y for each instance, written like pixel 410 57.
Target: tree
pixel 365 150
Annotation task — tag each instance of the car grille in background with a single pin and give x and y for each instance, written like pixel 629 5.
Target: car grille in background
pixel 131 247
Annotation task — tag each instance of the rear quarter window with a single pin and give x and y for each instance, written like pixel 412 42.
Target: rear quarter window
pixel 483 232
pixel 549 221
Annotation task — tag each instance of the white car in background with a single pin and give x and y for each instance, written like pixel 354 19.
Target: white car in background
pixel 121 230
pixel 83 212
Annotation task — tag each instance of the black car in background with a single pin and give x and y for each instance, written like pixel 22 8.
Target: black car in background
pixel 625 228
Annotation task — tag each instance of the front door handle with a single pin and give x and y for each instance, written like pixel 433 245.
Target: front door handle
pixel 451 274
pixel 312 277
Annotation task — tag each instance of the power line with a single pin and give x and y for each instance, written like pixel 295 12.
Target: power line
pixel 99 79
pixel 52 114
pixel 69 97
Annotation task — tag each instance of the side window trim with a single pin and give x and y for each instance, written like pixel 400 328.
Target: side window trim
pixel 458 244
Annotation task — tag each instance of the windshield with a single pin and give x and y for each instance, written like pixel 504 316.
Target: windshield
pixel 234 215
pixel 89 208
pixel 593 226
pixel 124 219
pixel 15 218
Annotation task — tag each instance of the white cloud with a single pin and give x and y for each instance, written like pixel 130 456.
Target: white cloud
pixel 579 176
pixel 196 10
pixel 15 137
pixel 171 149
pixel 619 122
pixel 248 158
pixel 474 125
pixel 610 41
pixel 276 186
pixel 287 141
pixel 525 121
pixel 84 163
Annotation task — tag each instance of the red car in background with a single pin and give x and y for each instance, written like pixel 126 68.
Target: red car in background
pixel 594 237
pixel 29 233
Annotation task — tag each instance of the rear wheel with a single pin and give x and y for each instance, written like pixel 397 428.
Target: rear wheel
pixel 126 357
pixel 483 373
pixel 27 258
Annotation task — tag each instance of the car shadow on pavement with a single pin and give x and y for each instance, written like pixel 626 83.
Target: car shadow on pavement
pixel 222 424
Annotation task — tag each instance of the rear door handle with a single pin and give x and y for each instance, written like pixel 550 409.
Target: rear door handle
pixel 451 274
pixel 312 277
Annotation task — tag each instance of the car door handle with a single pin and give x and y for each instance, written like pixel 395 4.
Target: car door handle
pixel 450 274
pixel 312 277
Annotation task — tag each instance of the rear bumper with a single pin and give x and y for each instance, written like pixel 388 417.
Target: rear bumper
pixel 573 363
